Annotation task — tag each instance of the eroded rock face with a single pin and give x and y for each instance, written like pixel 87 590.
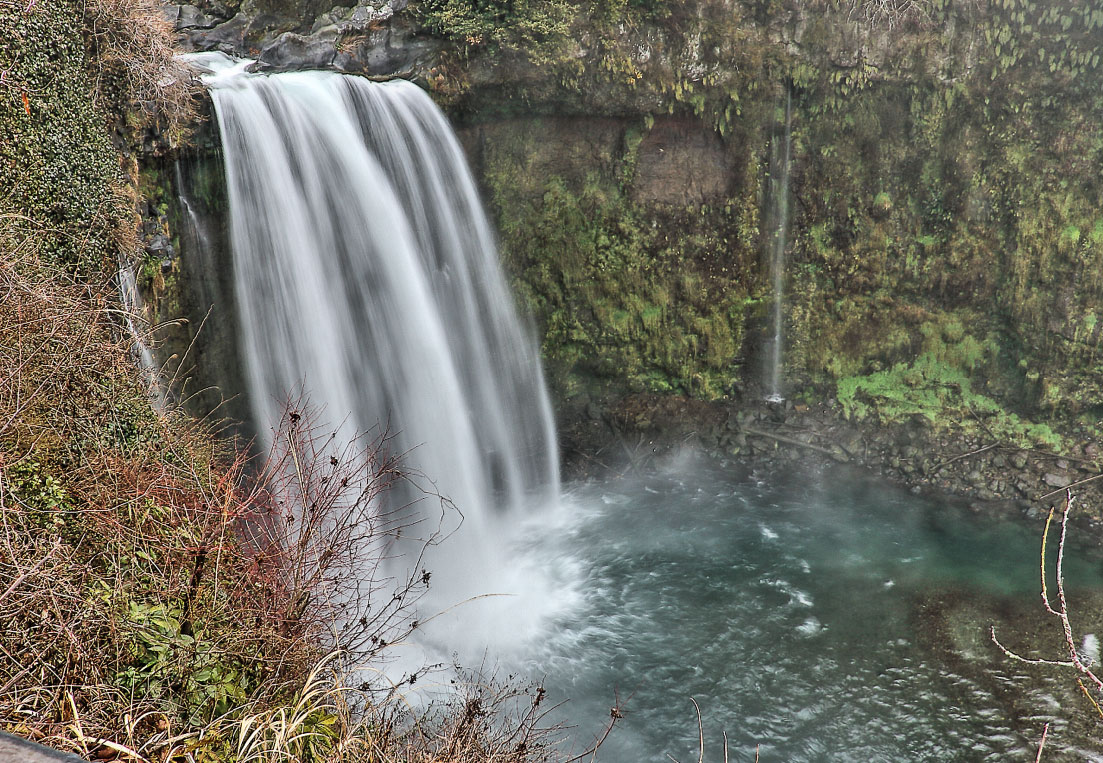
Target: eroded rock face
pixel 681 162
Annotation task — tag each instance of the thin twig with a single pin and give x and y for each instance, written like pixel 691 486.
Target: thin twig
pixel 1045 538
pixel 27 573
pixel 1070 485
pixel 789 440
pixel 700 732
pixel 1091 699
pixel 1028 660
pixel 1061 611
pixel 948 461
pixel 1042 744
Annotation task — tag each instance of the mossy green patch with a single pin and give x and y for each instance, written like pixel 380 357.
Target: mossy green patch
pixel 617 294
pixel 57 165
pixel 942 395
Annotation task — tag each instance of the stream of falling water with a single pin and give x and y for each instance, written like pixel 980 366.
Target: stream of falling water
pixel 366 275
pixel 817 618
pixel 778 221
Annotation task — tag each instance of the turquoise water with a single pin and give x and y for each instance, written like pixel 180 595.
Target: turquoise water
pixel 798 615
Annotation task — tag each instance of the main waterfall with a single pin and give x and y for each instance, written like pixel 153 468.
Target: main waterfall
pixel 366 276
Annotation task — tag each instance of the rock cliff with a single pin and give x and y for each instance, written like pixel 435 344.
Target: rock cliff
pixel 946 234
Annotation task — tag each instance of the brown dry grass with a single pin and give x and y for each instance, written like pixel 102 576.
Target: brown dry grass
pixel 110 512
pixel 134 56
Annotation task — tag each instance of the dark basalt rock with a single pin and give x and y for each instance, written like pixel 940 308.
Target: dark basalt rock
pixel 187 17
pixel 228 37
pixel 296 51
pixel 13 748
pixel 380 50
pixel 362 39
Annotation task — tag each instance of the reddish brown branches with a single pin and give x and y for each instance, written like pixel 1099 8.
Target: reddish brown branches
pixel 323 524
pixel 1061 612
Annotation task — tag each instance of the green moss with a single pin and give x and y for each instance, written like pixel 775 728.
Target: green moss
pixel 942 395
pixel 536 28
pixel 601 281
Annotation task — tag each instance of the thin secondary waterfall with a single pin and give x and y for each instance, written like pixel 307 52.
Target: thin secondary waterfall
pixel 778 221
pixel 366 275
pixel 131 300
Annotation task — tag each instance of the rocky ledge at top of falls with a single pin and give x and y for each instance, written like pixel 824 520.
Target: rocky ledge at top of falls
pixel 384 38
pixel 992 479
pixel 371 39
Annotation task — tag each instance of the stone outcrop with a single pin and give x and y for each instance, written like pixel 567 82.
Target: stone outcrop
pixel 13 748
pixel 364 39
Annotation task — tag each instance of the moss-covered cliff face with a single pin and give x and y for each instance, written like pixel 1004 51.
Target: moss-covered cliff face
pixel 947 223
pixel 630 243
pixel 959 216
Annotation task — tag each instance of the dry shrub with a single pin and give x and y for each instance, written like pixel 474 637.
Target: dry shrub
pixel 134 57
pixel 125 589
pixel 488 720
pixel 324 523
pixel 485 720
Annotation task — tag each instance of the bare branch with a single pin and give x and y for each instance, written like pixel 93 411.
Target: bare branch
pixel 1042 744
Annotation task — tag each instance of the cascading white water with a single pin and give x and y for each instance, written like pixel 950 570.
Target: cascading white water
pixel 366 275
pixel 131 299
pixel 778 221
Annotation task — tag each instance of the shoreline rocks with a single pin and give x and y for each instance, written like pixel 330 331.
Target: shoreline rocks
pixel 363 38
pixel 994 479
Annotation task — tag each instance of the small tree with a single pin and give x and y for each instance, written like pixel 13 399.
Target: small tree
pixel 323 522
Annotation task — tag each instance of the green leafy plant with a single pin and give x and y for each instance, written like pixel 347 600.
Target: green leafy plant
pixel 168 661
pixel 35 488
pixel 942 394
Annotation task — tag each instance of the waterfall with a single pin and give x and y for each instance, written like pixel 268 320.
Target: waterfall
pixel 778 226
pixel 140 352
pixel 366 275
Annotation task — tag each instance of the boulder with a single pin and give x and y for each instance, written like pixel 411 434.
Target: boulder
pixel 187 17
pixel 297 51
pixel 13 748
pixel 1054 479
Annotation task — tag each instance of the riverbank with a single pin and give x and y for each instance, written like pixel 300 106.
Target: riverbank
pixel 614 435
